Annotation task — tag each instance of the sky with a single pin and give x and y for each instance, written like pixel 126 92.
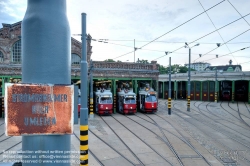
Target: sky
pixel 156 27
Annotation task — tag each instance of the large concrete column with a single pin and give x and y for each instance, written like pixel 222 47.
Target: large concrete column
pixel 46 59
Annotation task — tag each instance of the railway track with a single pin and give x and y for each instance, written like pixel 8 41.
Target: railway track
pixel 247 107
pixel 144 141
pixel 9 148
pixel 182 138
pixel 217 121
pixel 111 147
pixel 96 158
pixel 222 131
pixel 239 113
pixel 166 140
pixel 123 142
pixel 208 136
pixel 235 124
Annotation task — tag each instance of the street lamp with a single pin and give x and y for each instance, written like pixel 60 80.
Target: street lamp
pixel 188 97
pixel 169 84
pixel 216 84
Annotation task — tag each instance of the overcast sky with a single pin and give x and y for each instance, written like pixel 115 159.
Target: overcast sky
pixel 122 21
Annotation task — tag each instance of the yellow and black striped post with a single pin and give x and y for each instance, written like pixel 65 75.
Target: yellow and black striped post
pixel 84 145
pixel 215 97
pixel 2 107
pixel 114 104
pixel 91 112
pixel 169 106
pixel 188 103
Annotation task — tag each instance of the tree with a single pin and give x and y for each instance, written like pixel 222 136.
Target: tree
pixel 163 70
pixel 109 60
pixel 142 61
pixel 174 69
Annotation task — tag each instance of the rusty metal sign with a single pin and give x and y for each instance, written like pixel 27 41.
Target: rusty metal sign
pixel 38 109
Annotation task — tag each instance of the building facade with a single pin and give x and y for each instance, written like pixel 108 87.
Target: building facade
pixel 226 68
pixel 198 66
pixel 10 46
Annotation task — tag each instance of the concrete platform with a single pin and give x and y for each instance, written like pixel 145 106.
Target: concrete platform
pixel 208 135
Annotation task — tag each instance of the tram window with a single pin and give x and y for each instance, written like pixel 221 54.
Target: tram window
pixel 129 100
pixel 151 98
pixel 106 100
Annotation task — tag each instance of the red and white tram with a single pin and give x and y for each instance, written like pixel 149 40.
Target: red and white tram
pixel 126 101
pixel 103 102
pixel 147 99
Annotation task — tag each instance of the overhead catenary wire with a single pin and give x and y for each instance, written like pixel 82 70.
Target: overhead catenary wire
pixel 238 12
pixel 217 31
pixel 182 24
pixel 160 41
pixel 244 62
pixel 224 43
pixel 172 29
pixel 228 54
pixel 144 49
pixel 206 35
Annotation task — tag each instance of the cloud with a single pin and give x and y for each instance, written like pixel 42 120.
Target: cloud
pixel 12 11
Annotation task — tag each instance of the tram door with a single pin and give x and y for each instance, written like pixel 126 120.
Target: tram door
pixel 211 90
pixel 205 91
pixel 192 91
pixel 197 90
pixel 166 90
pixel 181 90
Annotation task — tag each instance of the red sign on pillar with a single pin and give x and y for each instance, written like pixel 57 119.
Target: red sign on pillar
pixel 38 109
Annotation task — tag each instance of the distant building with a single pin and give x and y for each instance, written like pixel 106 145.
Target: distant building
pixel 226 68
pixel 198 66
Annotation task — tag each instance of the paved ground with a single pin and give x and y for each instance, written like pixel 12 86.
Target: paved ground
pixel 210 134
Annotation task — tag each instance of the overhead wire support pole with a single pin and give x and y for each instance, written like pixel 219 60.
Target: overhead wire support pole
pixel 216 88
pixel 188 97
pixel 169 88
pixel 84 100
pixel 91 113
pixel 134 50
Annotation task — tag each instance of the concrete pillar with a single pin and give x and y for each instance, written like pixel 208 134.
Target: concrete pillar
pixel 46 47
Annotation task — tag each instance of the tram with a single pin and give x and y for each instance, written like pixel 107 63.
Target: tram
pixel 147 99
pixel 226 94
pixel 103 102
pixel 126 101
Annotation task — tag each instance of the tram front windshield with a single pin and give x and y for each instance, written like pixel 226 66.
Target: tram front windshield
pixel 129 100
pixel 151 98
pixel 106 100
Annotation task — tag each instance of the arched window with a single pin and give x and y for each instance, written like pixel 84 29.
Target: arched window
pixel 16 52
pixel 75 59
pixel 1 56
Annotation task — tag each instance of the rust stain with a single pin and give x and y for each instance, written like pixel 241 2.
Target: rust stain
pixel 39 116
